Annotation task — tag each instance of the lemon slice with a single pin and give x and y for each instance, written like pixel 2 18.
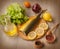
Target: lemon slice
pixel 32 35
pixel 40 32
pixel 44 26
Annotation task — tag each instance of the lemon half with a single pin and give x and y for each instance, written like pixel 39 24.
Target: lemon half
pixel 47 16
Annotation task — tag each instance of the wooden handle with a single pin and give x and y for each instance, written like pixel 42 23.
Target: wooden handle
pixel 50 30
pixel 55 26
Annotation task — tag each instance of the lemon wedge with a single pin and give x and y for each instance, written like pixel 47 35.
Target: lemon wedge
pixel 47 16
pixel 44 26
pixel 40 32
pixel 32 35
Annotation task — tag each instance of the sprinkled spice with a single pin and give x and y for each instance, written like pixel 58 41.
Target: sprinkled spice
pixel 38 44
pixel 50 37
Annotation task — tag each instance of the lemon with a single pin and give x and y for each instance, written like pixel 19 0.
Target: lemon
pixel 40 32
pixel 47 16
pixel 44 26
pixel 11 30
pixel 32 35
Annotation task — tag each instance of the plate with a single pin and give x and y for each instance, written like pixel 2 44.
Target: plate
pixel 53 6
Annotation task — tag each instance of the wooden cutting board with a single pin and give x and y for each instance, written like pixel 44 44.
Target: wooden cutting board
pixel 23 36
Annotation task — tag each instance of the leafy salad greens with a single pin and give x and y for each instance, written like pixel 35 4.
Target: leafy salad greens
pixel 5 19
pixel 16 13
